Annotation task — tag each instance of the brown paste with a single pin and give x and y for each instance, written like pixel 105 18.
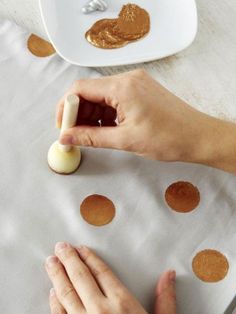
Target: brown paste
pixel 182 196
pixel 97 210
pixel 210 266
pixel 132 24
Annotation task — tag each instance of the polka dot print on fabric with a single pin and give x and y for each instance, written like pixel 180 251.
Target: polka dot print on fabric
pixel 210 266
pixel 97 210
pixel 40 47
pixel 182 196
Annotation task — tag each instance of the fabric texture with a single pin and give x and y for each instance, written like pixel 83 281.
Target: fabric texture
pixel 39 208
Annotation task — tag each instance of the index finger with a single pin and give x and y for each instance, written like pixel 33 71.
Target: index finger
pixel 94 90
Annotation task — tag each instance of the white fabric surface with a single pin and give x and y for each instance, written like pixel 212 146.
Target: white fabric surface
pixel 39 208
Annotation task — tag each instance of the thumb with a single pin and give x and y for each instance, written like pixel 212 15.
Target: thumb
pixel 103 137
pixel 165 294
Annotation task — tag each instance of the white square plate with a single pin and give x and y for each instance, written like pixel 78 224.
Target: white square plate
pixel 173 28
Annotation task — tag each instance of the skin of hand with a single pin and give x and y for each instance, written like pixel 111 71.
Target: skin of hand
pixel 152 122
pixel 83 283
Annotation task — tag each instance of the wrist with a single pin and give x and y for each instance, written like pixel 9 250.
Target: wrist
pixel 214 144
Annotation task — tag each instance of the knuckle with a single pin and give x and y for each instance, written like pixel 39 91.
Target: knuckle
pixel 56 310
pixel 86 140
pixel 131 83
pixel 68 254
pixel 76 87
pixel 75 84
pixel 139 73
pixel 123 304
pixel 100 270
pixel 102 310
pixel 66 291
pixel 55 271
pixel 112 99
pixel 79 274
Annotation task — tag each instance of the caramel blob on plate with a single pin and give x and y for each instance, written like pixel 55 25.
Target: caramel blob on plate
pixel 39 47
pixel 210 266
pixel 102 35
pixel 132 24
pixel 182 196
pixel 97 210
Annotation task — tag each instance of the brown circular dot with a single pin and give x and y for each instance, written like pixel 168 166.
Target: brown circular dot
pixel 182 196
pixel 39 47
pixel 97 210
pixel 210 265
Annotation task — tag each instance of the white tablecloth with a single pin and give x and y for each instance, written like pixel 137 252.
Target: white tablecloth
pixel 39 207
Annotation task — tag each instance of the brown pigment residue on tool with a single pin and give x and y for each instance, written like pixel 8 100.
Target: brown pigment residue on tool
pixel 97 210
pixel 39 47
pixel 210 266
pixel 132 24
pixel 182 196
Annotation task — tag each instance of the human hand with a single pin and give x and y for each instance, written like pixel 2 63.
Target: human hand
pixel 152 122
pixel 84 284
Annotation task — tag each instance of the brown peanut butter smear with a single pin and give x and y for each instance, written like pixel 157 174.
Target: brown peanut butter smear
pixel 132 24
pixel 97 210
pixel 182 196
pixel 210 266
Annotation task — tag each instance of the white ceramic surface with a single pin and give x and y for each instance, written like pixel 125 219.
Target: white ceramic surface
pixel 173 28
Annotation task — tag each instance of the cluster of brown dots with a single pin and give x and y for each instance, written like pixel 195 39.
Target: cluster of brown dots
pixel 183 197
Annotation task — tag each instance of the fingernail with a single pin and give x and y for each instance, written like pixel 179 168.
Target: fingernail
pixel 172 276
pixel 52 292
pixel 61 246
pixel 51 261
pixel 66 139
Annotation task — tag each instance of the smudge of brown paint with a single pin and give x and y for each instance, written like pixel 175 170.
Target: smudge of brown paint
pixel 97 210
pixel 182 196
pixel 132 24
pixel 39 47
pixel 210 266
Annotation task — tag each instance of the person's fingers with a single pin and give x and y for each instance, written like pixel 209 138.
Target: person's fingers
pixel 55 305
pixel 165 294
pixel 64 289
pixel 60 105
pixel 105 90
pixel 109 283
pixel 79 274
pixel 105 137
pixel 87 111
pixel 99 90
